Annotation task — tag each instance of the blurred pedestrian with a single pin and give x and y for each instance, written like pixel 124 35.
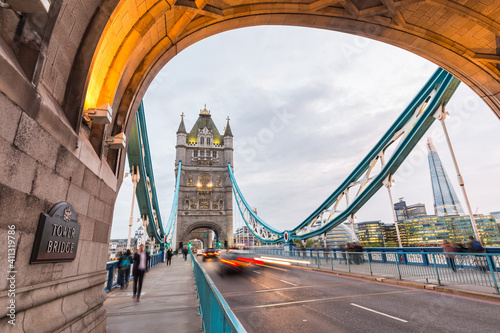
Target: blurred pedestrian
pixel 475 246
pixel 343 250
pixel 124 268
pixel 170 253
pixel 141 260
pixel 350 254
pixel 358 255
pixel 450 258
pixel 185 253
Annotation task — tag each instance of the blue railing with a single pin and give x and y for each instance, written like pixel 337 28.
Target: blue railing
pixel 113 271
pixel 217 317
pixel 428 264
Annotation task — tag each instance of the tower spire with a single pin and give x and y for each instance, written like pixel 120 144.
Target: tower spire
pixel 227 131
pixel 445 199
pixel 182 128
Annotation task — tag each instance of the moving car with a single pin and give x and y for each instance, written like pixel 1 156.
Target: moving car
pixel 211 254
pixel 238 261
pixel 199 252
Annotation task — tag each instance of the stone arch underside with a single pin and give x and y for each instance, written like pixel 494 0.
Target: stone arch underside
pixel 139 39
pixel 187 228
pixel 108 51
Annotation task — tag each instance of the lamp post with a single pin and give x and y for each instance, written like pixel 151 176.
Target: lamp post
pixel 145 223
pixel 135 179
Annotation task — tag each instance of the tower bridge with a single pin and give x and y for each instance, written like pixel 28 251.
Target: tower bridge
pixel 73 74
pixel 205 196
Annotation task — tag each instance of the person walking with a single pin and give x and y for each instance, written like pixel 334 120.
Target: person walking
pixel 141 260
pixel 124 268
pixel 475 246
pixel 185 253
pixel 450 258
pixel 170 253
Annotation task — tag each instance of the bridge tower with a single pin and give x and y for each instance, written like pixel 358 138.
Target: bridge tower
pixel 205 194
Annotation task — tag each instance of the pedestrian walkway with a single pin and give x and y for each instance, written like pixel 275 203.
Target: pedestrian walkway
pixel 168 303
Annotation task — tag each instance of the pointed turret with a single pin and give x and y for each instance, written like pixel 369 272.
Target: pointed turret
pixel 228 132
pixel 182 127
pixel 181 141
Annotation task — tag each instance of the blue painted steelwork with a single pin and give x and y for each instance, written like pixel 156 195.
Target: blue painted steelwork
pixel 217 316
pixel 172 219
pixel 139 155
pixel 114 277
pixel 406 131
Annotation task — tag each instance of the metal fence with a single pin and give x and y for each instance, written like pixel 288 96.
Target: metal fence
pixel 113 270
pixel 480 269
pixel 217 317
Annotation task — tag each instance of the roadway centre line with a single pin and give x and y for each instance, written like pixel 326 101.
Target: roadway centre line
pixel 380 313
pixel 334 284
pixel 293 284
pixel 326 299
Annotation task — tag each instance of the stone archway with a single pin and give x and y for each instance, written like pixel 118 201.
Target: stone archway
pixel 459 38
pixel 187 228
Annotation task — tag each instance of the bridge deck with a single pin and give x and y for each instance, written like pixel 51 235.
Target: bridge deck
pixel 168 303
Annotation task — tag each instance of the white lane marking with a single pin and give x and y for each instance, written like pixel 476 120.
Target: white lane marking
pixel 293 284
pixel 257 272
pixel 380 313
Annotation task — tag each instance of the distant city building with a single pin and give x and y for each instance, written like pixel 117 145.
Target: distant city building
pixel 416 210
pixel 496 215
pixel 138 236
pixel 426 231
pixel 445 199
pixel 371 233
pixel 391 235
pixel 339 235
pixel 401 210
pixel 433 230
pixel 119 245
pixel 243 237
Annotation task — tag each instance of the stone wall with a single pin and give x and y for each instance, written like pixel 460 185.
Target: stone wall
pixel 36 172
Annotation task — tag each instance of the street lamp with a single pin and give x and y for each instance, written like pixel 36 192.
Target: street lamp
pixel 135 179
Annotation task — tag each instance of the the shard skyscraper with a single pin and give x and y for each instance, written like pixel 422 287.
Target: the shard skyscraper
pixel 445 199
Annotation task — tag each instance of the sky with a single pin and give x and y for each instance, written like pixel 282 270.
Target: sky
pixel 305 106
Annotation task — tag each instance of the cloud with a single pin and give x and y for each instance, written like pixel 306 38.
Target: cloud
pixel 306 105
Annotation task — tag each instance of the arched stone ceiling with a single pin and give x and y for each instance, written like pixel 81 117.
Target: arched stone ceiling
pixel 140 37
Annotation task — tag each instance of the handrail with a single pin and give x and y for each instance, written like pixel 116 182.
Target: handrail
pixel 217 316
pixel 431 264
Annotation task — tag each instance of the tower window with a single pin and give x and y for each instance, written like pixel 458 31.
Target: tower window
pixel 214 154
pixel 208 141
pixel 195 153
pixel 202 141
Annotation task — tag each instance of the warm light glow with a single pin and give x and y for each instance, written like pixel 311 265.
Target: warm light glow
pixel 116 48
pixel 229 262
pixel 272 261
pixel 198 184
pixel 252 261
pixel 286 260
